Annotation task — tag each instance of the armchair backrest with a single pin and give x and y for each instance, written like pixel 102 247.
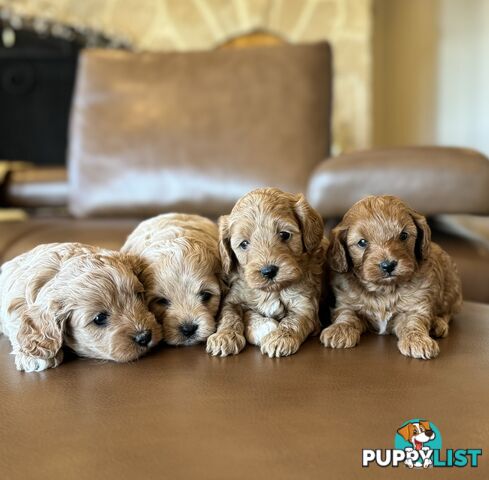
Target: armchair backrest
pixel 155 132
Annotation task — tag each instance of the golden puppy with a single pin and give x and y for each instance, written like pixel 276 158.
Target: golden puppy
pixel 389 277
pixel 272 250
pixel 84 297
pixel 182 274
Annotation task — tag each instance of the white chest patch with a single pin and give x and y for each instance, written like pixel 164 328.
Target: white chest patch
pixel 271 307
pixel 380 323
pixel 382 326
pixel 256 330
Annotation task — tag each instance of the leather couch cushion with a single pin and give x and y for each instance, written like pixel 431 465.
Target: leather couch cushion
pixel 180 414
pixel 19 237
pixel 433 180
pixel 34 187
pixel 153 132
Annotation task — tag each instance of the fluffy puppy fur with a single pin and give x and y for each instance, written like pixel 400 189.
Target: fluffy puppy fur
pixel 272 250
pixel 389 277
pixel 182 274
pixel 86 298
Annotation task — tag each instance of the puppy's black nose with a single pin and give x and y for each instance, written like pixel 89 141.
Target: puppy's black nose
pixel 143 338
pixel 188 328
pixel 429 433
pixel 388 266
pixel 269 271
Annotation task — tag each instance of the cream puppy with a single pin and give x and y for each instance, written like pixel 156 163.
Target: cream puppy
pixel 86 298
pixel 181 274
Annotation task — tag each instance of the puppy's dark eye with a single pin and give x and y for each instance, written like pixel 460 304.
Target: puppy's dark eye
pixel 244 244
pixel 362 243
pixel 403 236
pixel 284 236
pixel 101 319
pixel 205 296
pixel 163 301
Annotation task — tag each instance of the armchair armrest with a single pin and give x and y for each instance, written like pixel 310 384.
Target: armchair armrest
pixel 433 180
pixel 27 186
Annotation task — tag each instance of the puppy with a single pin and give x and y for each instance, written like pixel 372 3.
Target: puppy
pixel 389 277
pixel 182 274
pixel 86 298
pixel 272 250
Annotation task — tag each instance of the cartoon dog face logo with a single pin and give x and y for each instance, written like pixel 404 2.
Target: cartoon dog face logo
pixel 417 434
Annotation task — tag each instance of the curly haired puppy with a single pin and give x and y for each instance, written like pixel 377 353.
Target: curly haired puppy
pixel 182 274
pixel 389 277
pixel 86 298
pixel 272 250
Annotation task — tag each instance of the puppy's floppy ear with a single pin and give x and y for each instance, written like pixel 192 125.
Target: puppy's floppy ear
pixel 337 255
pixel 312 225
pixel 406 431
pixel 42 321
pixel 225 251
pixel 136 263
pixel 423 238
pixel 41 330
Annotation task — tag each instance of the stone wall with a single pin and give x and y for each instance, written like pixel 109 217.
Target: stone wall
pixel 203 24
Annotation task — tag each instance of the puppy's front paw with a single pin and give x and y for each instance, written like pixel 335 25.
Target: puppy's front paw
pixel 340 335
pixel 280 343
pixel 440 327
pixel 226 342
pixel 25 363
pixel 417 345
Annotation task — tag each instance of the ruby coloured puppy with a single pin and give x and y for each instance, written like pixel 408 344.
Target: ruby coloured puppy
pixel 272 250
pixel 388 277
pixel 181 274
pixel 86 298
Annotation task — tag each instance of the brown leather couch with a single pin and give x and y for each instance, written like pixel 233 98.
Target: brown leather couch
pixel 192 132
pixel 458 217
